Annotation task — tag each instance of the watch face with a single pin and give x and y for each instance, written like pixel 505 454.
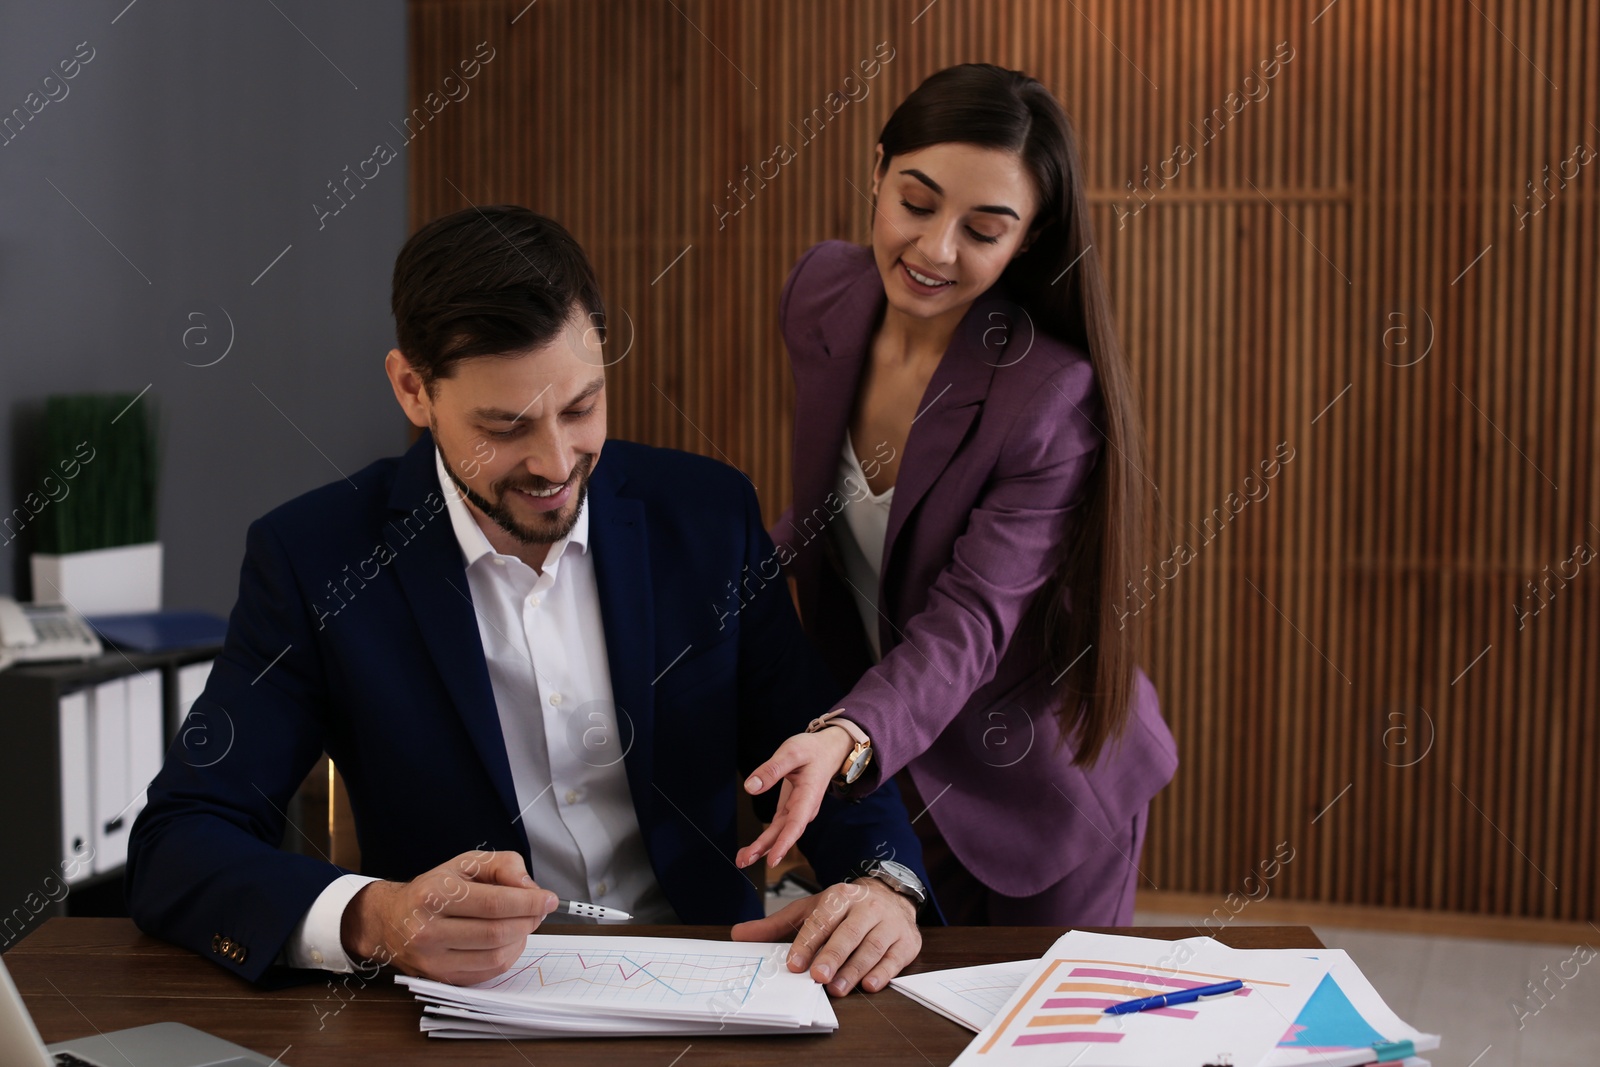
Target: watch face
pixel 899 871
pixel 905 876
pixel 857 764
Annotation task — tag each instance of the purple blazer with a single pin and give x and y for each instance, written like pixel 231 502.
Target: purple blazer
pixel 995 462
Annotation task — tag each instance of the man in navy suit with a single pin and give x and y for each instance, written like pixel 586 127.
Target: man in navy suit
pixel 541 670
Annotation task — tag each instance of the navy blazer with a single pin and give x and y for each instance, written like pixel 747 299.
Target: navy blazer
pixel 354 634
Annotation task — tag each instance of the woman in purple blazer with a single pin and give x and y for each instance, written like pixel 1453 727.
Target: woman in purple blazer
pixel 969 516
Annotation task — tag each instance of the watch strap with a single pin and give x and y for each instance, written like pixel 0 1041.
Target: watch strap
pixel 835 718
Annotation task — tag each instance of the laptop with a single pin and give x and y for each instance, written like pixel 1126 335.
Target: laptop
pixel 156 1045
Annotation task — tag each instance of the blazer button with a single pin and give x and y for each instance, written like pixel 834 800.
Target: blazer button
pixel 216 942
pixel 241 953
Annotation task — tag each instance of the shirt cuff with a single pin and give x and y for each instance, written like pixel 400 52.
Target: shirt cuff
pixel 316 943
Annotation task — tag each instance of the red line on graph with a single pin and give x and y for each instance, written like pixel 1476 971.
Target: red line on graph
pixel 621 971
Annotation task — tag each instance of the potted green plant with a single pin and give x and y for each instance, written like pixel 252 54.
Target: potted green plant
pixel 96 547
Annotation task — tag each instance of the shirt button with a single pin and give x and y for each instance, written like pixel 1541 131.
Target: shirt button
pixel 316 957
pixel 572 796
pixel 498 562
pixel 555 698
pixel 600 890
pixel 533 601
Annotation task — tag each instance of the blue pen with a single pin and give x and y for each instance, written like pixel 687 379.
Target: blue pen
pixel 1181 996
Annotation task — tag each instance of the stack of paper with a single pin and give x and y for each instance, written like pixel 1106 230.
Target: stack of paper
pixel 969 996
pixel 1338 1019
pixel 591 986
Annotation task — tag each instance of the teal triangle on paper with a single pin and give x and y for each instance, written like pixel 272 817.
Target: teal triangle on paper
pixel 1330 1022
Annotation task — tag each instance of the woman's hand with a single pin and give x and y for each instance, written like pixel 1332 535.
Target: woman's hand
pixel 805 764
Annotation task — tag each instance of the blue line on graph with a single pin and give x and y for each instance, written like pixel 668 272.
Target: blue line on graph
pixel 756 971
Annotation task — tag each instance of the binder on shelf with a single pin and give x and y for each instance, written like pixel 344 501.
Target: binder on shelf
pixel 192 679
pixel 109 717
pixel 84 741
pixel 77 811
pixel 146 738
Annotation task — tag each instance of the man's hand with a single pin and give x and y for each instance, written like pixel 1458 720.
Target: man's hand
pixel 859 931
pixel 463 922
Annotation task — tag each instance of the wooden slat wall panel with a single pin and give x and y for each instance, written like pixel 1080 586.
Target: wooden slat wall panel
pixel 1370 195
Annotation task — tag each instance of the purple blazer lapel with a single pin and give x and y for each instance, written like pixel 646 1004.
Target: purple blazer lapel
pixel 983 342
pixel 822 411
pixel 948 408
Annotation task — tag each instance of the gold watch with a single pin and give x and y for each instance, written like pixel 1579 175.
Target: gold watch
pixel 855 764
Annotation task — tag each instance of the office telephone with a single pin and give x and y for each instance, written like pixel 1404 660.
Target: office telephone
pixel 33 632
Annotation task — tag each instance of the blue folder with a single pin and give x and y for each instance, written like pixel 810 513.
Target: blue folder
pixel 160 631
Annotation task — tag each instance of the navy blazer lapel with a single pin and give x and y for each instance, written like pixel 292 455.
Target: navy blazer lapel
pixel 434 578
pixel 619 539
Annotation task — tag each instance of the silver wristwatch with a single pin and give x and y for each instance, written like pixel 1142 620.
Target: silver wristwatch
pixel 899 877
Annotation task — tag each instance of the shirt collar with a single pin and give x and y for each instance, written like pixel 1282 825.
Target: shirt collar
pixel 470 536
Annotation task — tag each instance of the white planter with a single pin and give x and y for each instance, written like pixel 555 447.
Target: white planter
pixel 105 581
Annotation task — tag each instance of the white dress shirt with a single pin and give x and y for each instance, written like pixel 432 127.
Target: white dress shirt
pixel 860 539
pixel 548 666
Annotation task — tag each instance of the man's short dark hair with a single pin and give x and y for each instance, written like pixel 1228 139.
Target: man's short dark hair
pixel 489 281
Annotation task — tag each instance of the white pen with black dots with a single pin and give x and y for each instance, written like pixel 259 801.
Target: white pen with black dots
pixel 587 911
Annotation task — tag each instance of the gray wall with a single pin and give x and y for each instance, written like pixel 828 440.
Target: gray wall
pixel 192 148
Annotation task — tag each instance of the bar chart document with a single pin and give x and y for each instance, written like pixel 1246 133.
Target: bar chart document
pixel 1057 1015
pixel 1345 1022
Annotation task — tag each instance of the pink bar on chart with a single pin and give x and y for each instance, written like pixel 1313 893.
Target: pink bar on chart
pixel 1097 1002
pixel 1082 1037
pixel 1136 976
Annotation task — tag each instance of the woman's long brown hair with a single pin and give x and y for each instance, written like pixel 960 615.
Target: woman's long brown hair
pixel 1059 280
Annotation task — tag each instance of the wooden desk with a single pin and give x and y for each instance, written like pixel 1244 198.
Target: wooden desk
pixel 82 975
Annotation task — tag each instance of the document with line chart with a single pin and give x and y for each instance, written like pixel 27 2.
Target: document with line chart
pixel 577 985
pixel 1057 1015
pixel 970 996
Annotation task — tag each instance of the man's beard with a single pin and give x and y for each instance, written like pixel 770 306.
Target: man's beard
pixel 549 527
